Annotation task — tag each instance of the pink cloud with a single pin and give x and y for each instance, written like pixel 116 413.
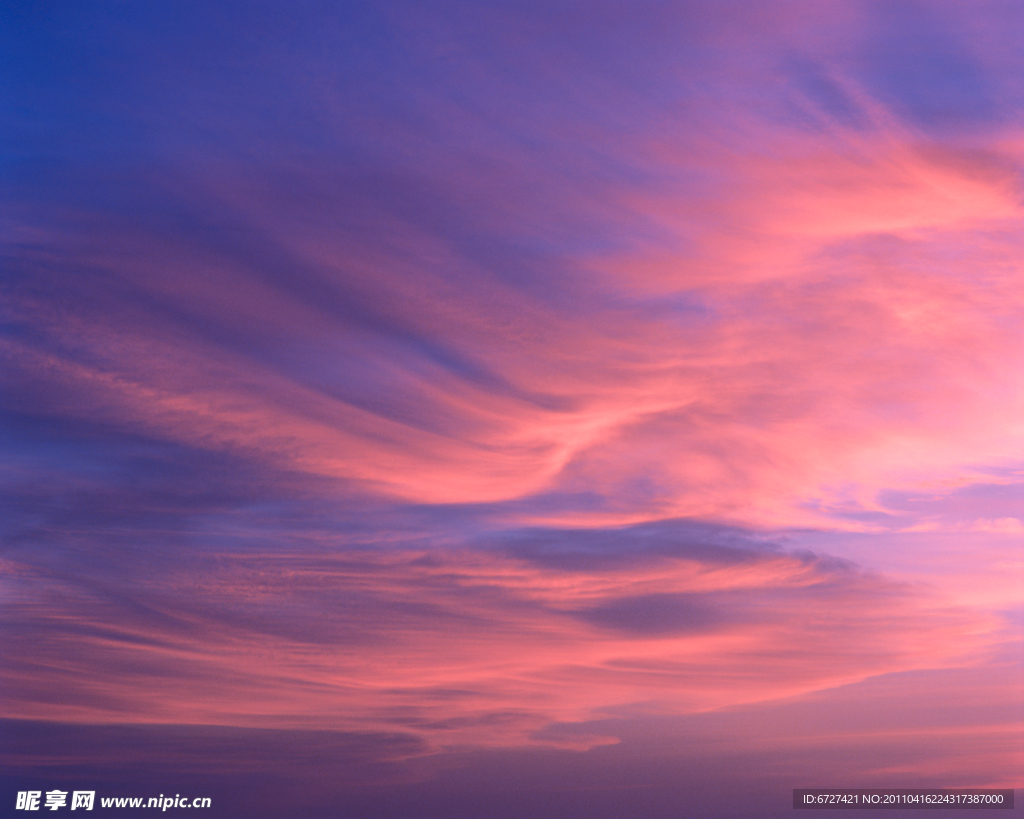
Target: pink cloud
pixel 848 306
pixel 469 647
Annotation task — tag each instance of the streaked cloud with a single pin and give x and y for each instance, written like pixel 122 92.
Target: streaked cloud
pixel 466 645
pixel 517 383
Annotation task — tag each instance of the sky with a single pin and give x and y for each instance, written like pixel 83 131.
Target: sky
pixel 446 409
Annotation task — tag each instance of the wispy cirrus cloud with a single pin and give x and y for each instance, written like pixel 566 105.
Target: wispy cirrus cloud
pixel 465 645
pixel 474 379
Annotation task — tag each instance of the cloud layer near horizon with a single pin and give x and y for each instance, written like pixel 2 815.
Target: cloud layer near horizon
pixel 477 646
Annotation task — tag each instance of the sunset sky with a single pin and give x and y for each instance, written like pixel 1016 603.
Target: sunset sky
pixel 556 409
